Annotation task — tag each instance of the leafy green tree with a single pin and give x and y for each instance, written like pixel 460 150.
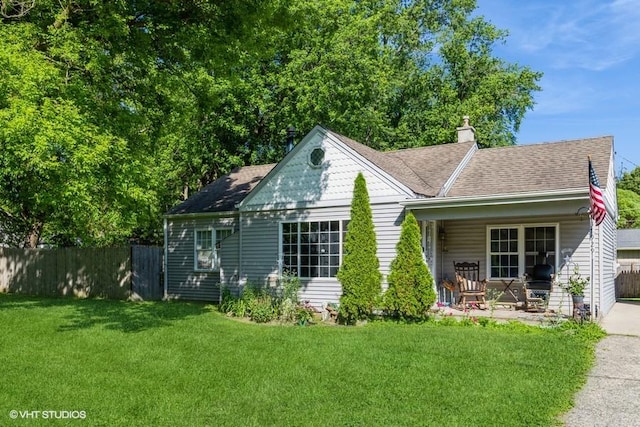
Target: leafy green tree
pixel 359 273
pixel 108 112
pixel 410 293
pixel 178 93
pixel 63 179
pixel 630 181
pixel 397 74
pixel 628 208
pixel 628 192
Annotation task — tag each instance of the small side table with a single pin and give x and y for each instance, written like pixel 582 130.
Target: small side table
pixel 445 292
pixel 509 290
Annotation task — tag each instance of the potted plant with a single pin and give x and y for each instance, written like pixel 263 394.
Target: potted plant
pixel 576 286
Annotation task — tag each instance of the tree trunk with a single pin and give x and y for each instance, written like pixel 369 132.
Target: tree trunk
pixel 33 238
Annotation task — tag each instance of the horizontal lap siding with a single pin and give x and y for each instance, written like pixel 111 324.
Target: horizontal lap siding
pixel 609 237
pixel 182 279
pixel 259 246
pixel 466 241
pixel 260 242
pixel 609 265
pixel 230 263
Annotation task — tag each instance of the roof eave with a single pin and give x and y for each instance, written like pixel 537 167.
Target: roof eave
pixel 499 199
pixel 201 214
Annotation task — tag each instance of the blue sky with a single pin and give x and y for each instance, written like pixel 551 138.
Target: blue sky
pixel 589 52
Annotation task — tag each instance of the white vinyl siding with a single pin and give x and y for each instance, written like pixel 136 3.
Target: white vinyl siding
pixel 466 240
pixel 297 183
pixel 262 247
pixel 182 280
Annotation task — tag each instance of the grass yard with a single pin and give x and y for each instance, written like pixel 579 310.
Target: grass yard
pixel 173 364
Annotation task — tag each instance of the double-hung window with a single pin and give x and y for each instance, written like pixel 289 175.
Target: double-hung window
pixel 513 250
pixel 312 248
pixel 207 248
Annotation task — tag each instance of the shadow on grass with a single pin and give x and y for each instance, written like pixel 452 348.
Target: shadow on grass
pixel 121 316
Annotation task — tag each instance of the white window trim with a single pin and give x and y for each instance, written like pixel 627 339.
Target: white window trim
pixel 521 246
pixel 322 163
pixel 215 262
pixel 340 242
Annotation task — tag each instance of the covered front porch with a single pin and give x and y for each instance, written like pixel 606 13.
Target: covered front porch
pixel 507 238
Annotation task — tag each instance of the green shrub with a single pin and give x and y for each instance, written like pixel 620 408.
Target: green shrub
pixel 304 314
pixel 288 311
pixel 262 310
pixel 240 308
pixel 227 301
pixel 410 294
pixel 359 273
pixel 262 306
pixel 290 285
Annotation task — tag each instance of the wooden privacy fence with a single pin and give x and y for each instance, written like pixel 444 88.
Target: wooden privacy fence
pixel 628 284
pixel 116 273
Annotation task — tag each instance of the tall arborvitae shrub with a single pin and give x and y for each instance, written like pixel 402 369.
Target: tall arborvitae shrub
pixel 359 273
pixel 410 293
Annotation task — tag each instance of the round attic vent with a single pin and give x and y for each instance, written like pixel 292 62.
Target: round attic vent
pixel 316 158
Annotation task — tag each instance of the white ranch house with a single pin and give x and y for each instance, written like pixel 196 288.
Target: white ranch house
pixel 506 207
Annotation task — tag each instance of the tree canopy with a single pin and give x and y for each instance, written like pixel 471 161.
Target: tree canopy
pixel 111 112
pixel 629 209
pixel 628 192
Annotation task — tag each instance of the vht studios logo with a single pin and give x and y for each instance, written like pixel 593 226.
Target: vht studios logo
pixel 51 415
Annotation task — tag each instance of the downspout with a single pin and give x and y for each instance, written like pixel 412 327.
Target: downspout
pixel 166 263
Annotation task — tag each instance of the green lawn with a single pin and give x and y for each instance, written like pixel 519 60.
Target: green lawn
pixel 185 364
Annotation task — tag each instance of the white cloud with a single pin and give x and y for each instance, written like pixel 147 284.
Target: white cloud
pixel 558 97
pixel 587 34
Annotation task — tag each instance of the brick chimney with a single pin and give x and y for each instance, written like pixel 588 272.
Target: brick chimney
pixel 466 132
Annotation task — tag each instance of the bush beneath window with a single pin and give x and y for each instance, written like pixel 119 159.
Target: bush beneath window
pixel 263 305
pixel 262 309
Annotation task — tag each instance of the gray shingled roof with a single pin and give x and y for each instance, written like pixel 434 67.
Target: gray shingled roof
pixel 224 193
pixel 629 238
pixel 424 170
pixel 491 171
pixel 536 167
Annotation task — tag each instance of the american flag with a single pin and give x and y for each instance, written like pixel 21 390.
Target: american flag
pixel 598 211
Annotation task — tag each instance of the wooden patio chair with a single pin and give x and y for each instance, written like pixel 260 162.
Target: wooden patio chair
pixel 469 283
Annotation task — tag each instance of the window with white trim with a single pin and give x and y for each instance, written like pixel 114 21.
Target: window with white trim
pixel 503 252
pixel 312 248
pixel 513 250
pixel 207 248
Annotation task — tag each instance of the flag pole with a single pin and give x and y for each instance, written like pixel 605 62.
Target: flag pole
pixel 597 214
pixel 591 302
pixel 592 271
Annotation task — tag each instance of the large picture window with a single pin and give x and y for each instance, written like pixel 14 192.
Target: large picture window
pixel 513 250
pixel 207 248
pixel 313 248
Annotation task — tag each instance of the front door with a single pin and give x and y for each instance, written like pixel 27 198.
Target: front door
pixel 429 245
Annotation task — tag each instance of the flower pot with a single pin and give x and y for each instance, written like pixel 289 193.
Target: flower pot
pixel 578 301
